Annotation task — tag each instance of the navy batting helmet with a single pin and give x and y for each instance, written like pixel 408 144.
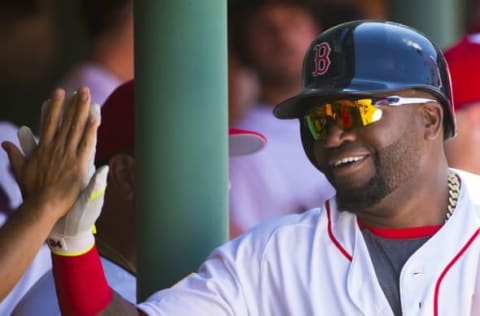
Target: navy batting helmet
pixel 368 57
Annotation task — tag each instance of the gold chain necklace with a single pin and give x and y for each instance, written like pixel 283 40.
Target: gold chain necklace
pixel 453 193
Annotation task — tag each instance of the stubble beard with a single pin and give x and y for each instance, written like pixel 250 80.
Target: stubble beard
pixel 394 165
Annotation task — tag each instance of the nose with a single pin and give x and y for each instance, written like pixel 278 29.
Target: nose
pixel 335 136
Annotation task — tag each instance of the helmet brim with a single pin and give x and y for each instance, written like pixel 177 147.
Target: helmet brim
pixel 296 106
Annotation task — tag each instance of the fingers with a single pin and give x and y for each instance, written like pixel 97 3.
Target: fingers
pixel 74 119
pixel 54 168
pixel 43 111
pixel 66 123
pixel 98 184
pixel 53 110
pixel 16 158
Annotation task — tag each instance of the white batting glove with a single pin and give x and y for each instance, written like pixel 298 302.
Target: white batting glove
pixel 72 235
pixel 27 140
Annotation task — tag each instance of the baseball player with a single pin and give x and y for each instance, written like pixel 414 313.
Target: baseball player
pixel 401 236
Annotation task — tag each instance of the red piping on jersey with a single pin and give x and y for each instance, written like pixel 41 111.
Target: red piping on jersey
pixel 332 237
pixel 448 267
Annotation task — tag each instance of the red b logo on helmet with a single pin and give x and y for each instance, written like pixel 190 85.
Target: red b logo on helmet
pixel 321 59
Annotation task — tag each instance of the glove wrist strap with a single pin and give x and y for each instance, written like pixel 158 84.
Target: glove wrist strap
pixel 77 245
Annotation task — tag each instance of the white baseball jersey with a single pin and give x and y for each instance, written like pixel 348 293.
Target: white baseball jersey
pixel 317 263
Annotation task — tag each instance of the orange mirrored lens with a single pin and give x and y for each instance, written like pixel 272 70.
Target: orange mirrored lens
pixel 346 114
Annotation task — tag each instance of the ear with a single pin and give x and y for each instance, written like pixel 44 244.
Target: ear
pixel 122 175
pixel 432 120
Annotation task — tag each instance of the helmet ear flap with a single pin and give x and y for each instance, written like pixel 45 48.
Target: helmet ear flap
pixel 307 142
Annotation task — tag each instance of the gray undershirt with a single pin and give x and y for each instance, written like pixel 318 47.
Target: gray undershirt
pixel 388 256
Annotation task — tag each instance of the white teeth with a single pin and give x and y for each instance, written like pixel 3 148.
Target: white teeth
pixel 346 160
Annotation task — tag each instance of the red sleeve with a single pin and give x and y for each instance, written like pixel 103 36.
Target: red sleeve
pixel 82 288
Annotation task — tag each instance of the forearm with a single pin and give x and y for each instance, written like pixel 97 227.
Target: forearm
pixel 20 239
pixel 120 306
pixel 75 279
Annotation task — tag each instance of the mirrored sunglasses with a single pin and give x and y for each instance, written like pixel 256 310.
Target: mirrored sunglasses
pixel 349 114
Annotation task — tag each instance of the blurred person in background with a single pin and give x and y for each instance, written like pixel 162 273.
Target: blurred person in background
pixel 333 13
pixel 463 59
pixel 242 89
pixel 271 38
pixel 109 63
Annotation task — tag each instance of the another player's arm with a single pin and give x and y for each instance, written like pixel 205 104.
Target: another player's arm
pixel 50 177
pixel 21 238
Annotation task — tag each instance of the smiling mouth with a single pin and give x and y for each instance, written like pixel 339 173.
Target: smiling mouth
pixel 347 161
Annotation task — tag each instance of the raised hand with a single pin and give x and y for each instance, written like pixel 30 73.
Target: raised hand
pixel 55 170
